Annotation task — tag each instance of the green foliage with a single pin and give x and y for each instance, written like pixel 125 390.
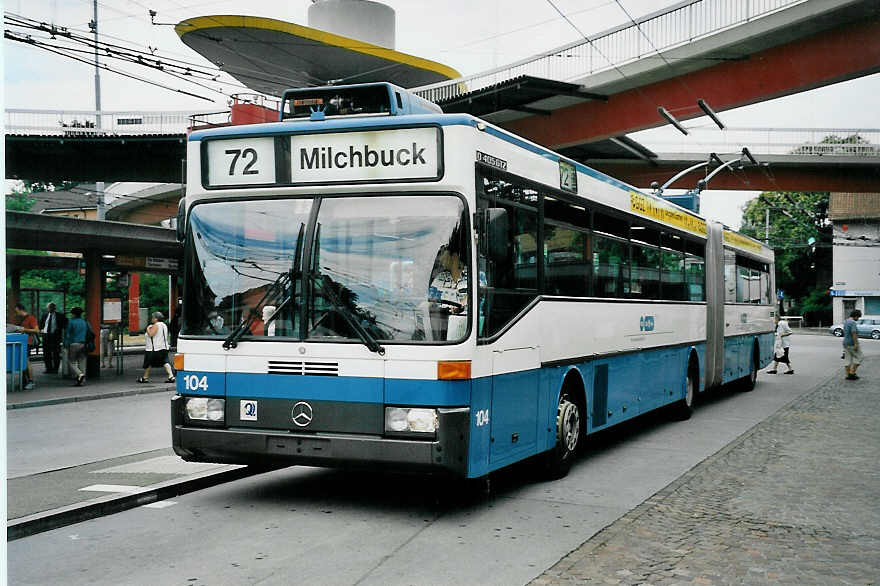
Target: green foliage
pixel 802 271
pixel 154 292
pixel 816 306
pixel 19 200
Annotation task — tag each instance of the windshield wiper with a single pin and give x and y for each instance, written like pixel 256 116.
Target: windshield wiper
pixel 286 282
pixel 281 284
pixel 368 340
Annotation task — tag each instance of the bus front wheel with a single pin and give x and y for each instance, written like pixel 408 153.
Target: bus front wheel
pixel 557 462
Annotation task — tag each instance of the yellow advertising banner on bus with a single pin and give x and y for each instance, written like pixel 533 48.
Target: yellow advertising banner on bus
pixel 658 210
pixel 740 241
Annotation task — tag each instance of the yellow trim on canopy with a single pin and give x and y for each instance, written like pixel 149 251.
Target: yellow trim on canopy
pixel 200 23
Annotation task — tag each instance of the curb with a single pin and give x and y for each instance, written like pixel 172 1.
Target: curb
pixel 95 397
pixel 110 504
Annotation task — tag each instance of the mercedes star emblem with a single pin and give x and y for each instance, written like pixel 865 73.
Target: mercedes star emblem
pixel 301 414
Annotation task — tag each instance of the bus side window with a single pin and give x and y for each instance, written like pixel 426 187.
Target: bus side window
pixel 695 270
pixel 729 276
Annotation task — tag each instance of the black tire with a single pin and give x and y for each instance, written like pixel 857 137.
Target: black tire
pixel 838 332
pixel 748 382
pixel 557 462
pixel 683 409
pixel 875 335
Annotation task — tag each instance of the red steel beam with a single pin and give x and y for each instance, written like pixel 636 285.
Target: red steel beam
pixel 843 179
pixel 829 57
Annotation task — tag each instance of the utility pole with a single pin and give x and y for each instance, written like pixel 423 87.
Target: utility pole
pixel 99 186
pixel 767 226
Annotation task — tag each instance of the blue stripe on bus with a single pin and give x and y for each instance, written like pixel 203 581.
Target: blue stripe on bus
pixel 435 393
pixel 328 388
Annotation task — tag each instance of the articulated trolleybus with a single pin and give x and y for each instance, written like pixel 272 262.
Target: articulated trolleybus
pixel 371 282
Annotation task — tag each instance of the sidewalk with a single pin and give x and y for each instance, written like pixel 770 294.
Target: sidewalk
pixel 55 498
pixel 52 389
pixel 792 501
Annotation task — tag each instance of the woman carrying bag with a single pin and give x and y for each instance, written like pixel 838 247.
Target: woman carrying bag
pixel 156 344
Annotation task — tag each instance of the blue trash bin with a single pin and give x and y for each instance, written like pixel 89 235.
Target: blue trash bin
pixel 16 358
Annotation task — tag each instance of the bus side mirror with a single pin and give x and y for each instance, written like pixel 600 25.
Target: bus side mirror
pixel 181 220
pixel 497 233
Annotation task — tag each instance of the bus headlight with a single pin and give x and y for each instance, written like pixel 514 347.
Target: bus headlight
pixel 410 420
pixel 199 408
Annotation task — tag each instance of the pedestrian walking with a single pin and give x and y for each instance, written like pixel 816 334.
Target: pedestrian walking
pixel 27 324
pixel 52 324
pixel 75 341
pixel 852 351
pixel 156 346
pixel 782 347
pixel 108 340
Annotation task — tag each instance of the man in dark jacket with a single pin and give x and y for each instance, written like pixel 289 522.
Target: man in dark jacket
pixel 52 324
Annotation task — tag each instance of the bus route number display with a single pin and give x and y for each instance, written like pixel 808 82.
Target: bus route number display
pixel 241 161
pixel 568 179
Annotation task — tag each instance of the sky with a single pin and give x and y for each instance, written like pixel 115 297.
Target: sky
pixel 468 36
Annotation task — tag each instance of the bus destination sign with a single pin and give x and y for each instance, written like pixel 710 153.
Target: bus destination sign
pixel 241 161
pixel 401 154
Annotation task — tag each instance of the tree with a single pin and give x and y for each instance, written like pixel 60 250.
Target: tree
pixel 803 270
pixel 20 200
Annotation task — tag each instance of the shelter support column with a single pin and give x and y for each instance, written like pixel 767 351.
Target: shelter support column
pixel 14 292
pixel 172 296
pixel 94 307
pixel 134 301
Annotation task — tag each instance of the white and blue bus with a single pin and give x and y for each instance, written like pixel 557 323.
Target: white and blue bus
pixel 371 282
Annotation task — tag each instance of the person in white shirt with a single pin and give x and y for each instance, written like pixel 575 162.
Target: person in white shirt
pixel 782 347
pixel 157 344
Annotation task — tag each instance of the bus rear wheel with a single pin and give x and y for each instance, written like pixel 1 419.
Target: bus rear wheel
pixel 748 382
pixel 557 462
pixel 683 409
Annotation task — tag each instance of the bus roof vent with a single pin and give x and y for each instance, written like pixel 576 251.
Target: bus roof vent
pixel 366 99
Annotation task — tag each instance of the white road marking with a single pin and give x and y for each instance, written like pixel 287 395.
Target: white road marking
pixel 160 505
pixel 123 488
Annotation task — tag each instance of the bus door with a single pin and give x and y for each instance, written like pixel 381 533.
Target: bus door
pixel 514 404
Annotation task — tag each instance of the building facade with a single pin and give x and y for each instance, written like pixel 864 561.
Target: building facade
pixel 856 265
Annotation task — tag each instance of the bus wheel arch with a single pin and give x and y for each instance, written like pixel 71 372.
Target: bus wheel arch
pixel 571 409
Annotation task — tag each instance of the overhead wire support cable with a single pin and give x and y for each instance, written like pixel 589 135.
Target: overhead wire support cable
pixel 105 67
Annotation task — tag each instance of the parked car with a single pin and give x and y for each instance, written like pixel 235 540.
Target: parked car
pixel 868 326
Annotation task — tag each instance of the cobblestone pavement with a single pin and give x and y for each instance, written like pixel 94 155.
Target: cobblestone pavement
pixel 795 500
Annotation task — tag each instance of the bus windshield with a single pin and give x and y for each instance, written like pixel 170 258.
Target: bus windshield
pixel 379 269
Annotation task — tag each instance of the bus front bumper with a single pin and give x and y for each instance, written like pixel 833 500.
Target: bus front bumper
pixel 446 453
